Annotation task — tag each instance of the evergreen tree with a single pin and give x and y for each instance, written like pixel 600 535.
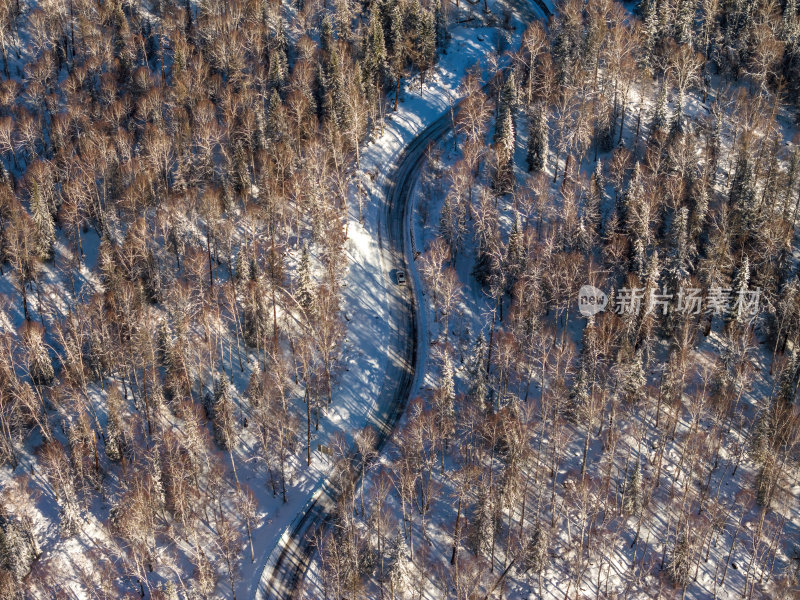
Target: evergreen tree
pixel 158 495
pixel 397 53
pixel 412 22
pixel 535 558
pixel 567 47
pixel 222 413
pixel 665 15
pixel 16 554
pixel 698 213
pixel 537 140
pixel 680 562
pixel 482 270
pixel 324 99
pixel 504 135
pixel 766 480
pixel 661 114
pixel 334 101
pixel 652 276
pixel 742 197
pixel 276 128
pixel 715 142
pixel 330 76
pixel 678 260
pixel 256 318
pixel 628 207
pixel 399 566
pixel 44 229
pixel 580 395
pixel 326 35
pixel 344 17
pixel 115 442
pixel 278 40
pixel 684 20
pixel 649 14
pixel 426 41
pixel 636 217
pixel 376 67
pixel 633 499
pixel 278 69
pixel 633 379
pixel 444 398
pixel 305 287
pixel 241 266
pixel 597 197
pixel 639 256
pixel 515 255
pixel 508 99
pixel 482 526
pixel 761 435
pixel 741 282
pixel 442 35
pixel 591 219
pixel 255 388
pixel 452 222
pixel 478 390
pixel 738 24
pixel 676 128
pixel 505 105
pixel 504 150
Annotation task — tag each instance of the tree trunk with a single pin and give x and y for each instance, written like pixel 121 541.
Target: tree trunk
pixel 456 534
pixel 308 422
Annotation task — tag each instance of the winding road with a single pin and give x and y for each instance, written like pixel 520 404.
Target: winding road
pixel 292 555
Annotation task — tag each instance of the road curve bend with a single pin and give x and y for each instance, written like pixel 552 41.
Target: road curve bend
pixel 294 551
pixel 289 560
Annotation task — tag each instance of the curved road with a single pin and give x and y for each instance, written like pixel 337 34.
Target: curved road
pixel 296 548
pixel 292 555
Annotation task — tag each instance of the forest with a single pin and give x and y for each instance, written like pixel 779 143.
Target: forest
pixel 185 191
